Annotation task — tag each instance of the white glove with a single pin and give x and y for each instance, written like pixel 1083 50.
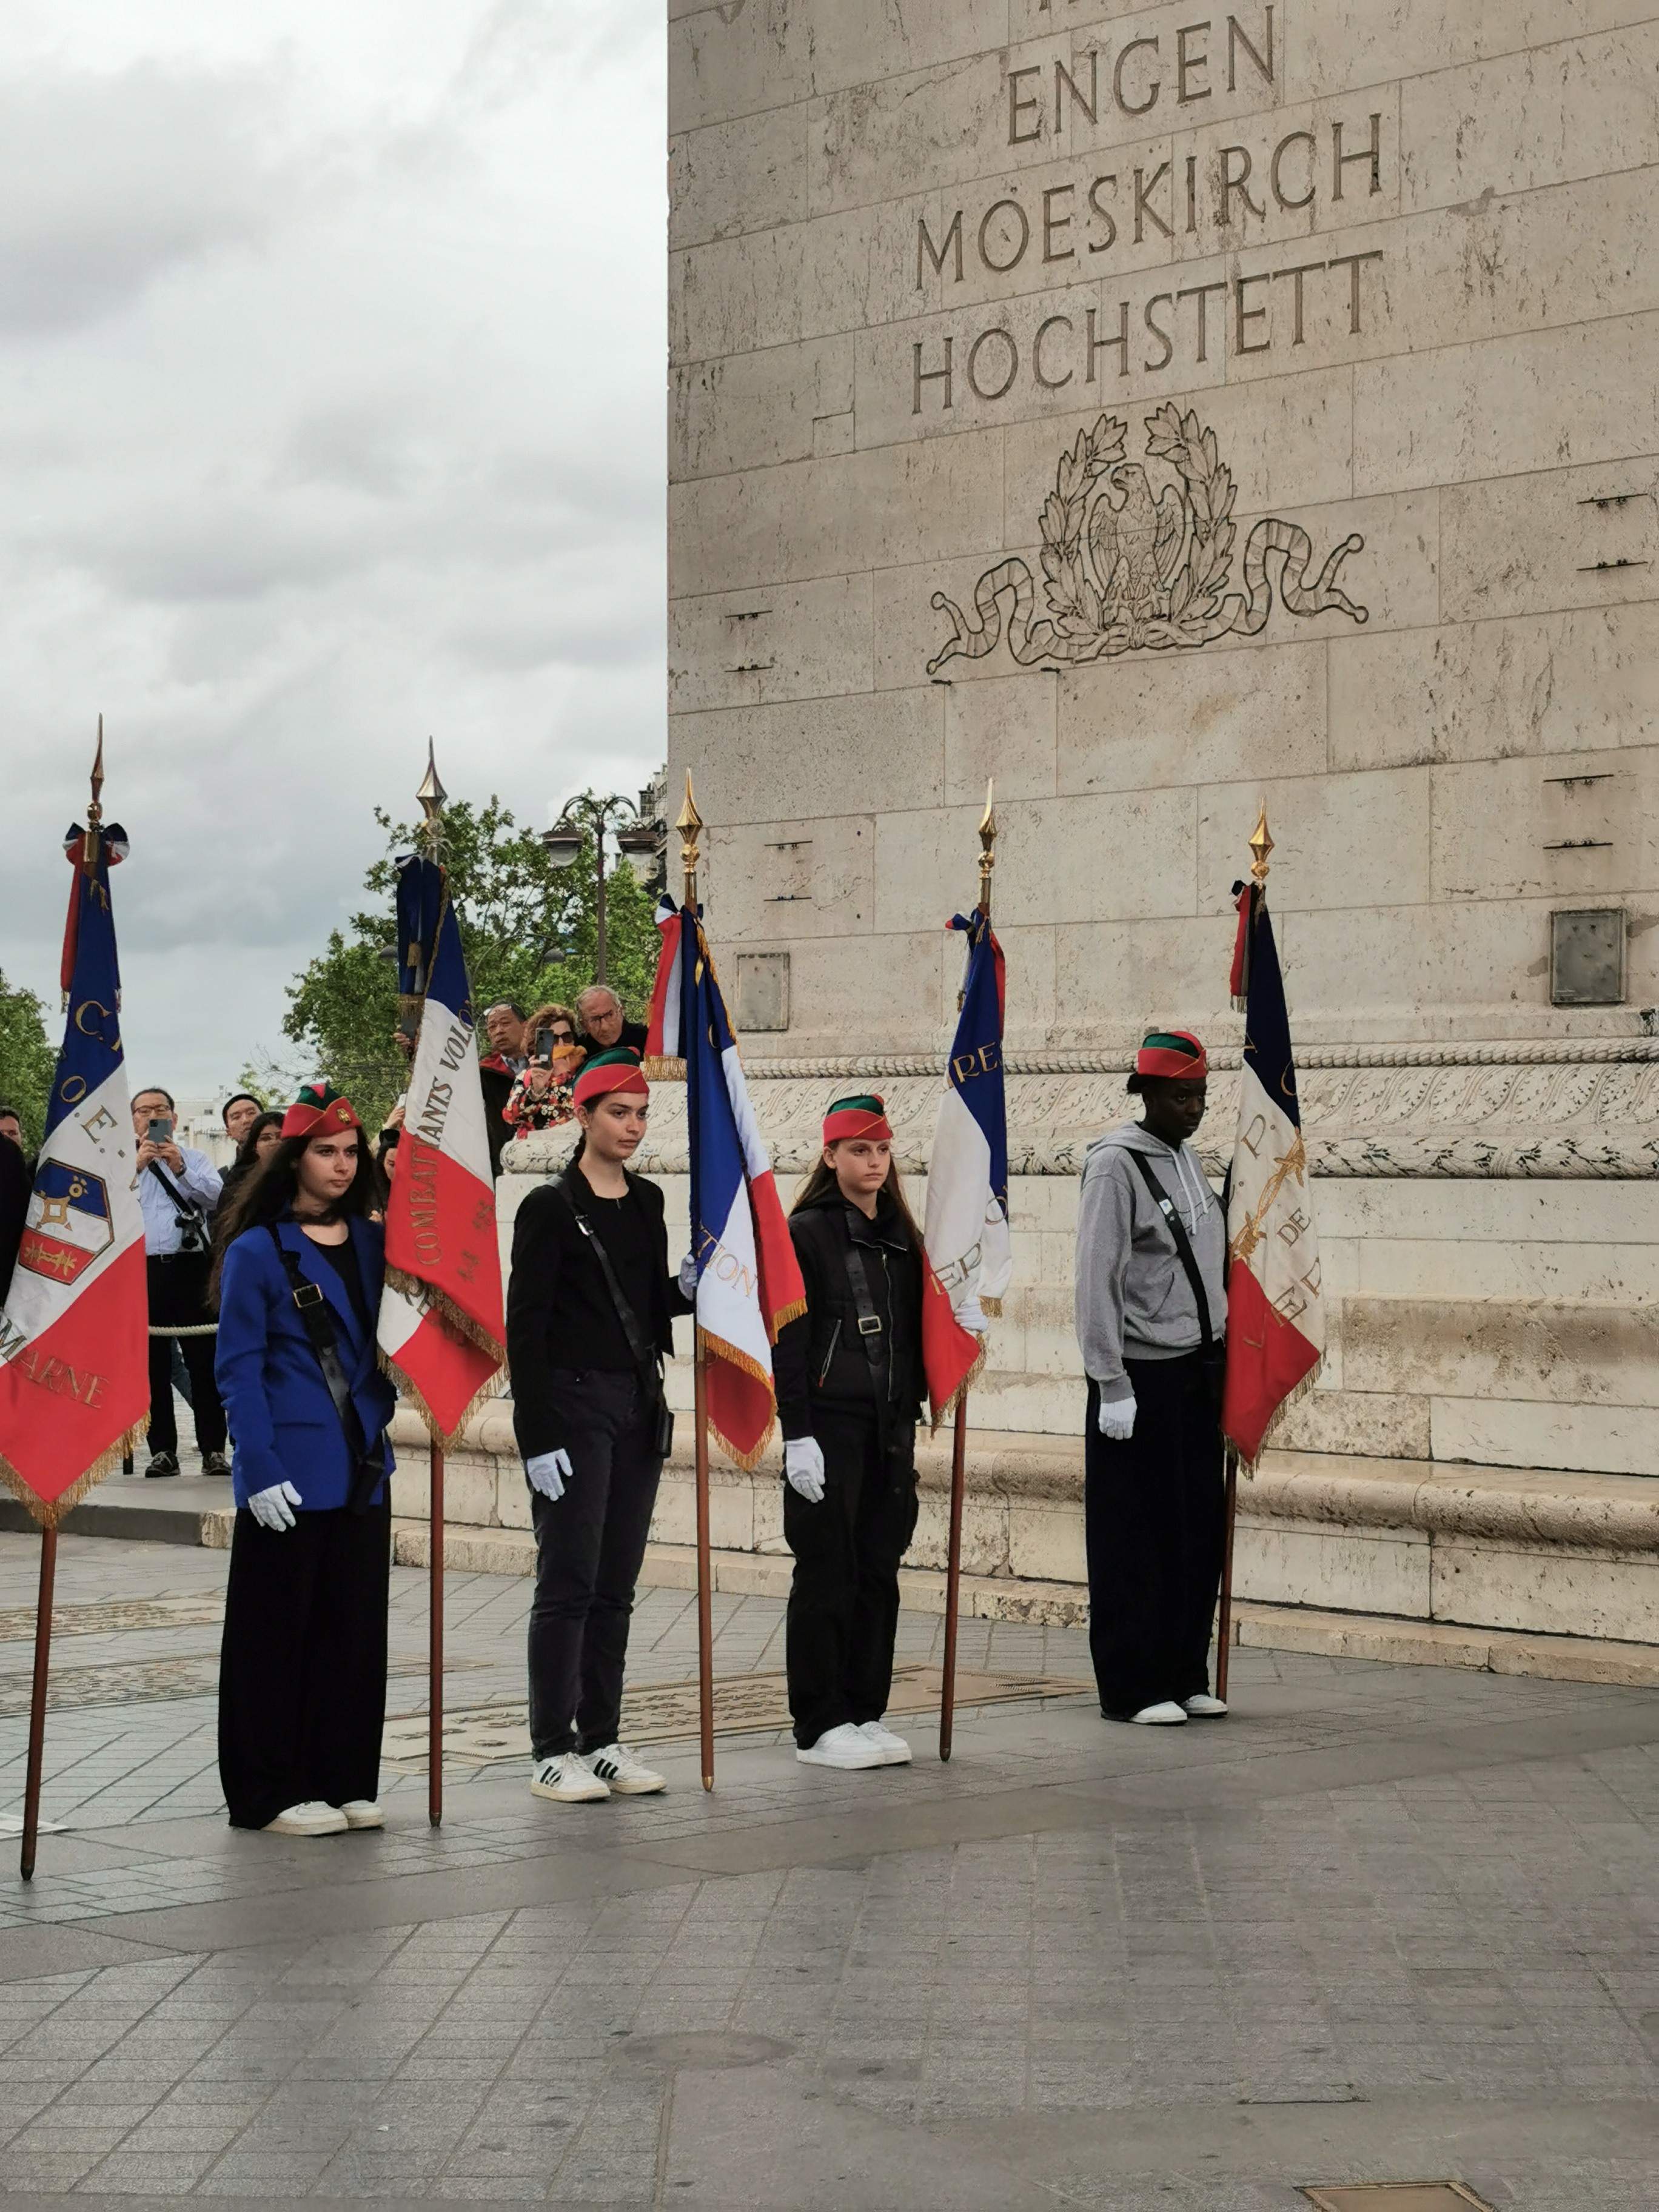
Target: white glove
pixel 273 1508
pixel 1117 1419
pixel 971 1316
pixel 803 1469
pixel 548 1472
pixel 688 1276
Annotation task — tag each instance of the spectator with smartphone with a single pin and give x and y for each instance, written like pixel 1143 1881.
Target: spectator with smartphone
pixel 541 1097
pixel 178 1190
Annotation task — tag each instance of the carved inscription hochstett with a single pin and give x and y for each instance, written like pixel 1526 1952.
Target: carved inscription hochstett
pixel 1124 568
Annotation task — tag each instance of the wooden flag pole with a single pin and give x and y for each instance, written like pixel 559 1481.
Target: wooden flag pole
pixel 434 1724
pixel 689 822
pixel 947 1699
pixel 1225 1622
pixel 432 795
pixel 38 1700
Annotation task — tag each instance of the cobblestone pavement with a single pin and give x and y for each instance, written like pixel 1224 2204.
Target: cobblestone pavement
pixel 1384 1923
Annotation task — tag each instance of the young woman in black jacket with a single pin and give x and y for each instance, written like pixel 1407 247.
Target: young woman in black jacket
pixel 585 1413
pixel 850 1383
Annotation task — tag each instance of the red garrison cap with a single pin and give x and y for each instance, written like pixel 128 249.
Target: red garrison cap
pixel 863 1116
pixel 320 1110
pixel 617 1070
pixel 1171 1053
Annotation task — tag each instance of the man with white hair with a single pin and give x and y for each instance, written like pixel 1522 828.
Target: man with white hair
pixel 602 1023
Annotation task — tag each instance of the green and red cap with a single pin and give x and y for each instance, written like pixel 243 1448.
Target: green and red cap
pixel 618 1069
pixel 320 1110
pixel 1175 1054
pixel 863 1116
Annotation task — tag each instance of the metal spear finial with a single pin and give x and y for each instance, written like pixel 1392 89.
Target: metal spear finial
pixel 689 824
pixel 1261 844
pixel 95 811
pixel 987 838
pixel 432 796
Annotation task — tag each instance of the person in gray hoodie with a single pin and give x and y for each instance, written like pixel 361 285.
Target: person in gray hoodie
pixel 1151 1316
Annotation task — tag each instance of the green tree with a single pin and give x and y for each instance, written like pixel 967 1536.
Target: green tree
pixel 528 931
pixel 27 1060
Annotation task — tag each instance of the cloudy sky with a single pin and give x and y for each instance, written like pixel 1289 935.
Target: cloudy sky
pixel 331 347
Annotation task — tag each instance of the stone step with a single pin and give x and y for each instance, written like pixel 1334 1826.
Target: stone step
pixel 1443 1644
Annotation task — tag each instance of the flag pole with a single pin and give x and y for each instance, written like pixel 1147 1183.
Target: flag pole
pixel 1260 845
pixel 689 824
pixel 432 795
pixel 947 1708
pixel 38 1698
pixel 49 1529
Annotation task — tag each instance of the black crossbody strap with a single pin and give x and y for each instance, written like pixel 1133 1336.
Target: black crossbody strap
pixel 311 1302
pixel 181 1204
pixel 645 1357
pixel 870 1327
pixel 1183 1243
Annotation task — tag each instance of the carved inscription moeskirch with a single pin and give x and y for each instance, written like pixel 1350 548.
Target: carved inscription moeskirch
pixel 1124 568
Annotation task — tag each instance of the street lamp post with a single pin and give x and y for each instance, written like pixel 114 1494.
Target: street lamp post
pixel 639 838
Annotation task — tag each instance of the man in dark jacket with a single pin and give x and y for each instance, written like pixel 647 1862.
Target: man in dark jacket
pixel 498 1071
pixel 850 1382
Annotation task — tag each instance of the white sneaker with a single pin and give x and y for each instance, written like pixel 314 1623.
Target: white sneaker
pixel 845 1746
pixel 313 1818
pixel 1204 1707
pixel 568 1779
pixel 1165 1714
pixel 895 1752
pixel 628 1776
pixel 362 1813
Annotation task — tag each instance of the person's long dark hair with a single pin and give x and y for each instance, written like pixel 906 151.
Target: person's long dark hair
pixel 822 1178
pixel 247 1152
pixel 271 1190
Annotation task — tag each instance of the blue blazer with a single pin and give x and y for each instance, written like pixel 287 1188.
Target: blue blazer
pixel 280 1414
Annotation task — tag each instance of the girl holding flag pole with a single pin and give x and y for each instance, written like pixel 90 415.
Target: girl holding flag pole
pixel 850 1381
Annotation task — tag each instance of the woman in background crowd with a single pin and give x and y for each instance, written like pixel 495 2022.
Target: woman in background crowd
pixel 263 1134
pixel 302 1666
pixel 543 1096
pixel 1151 1314
pixel 850 1383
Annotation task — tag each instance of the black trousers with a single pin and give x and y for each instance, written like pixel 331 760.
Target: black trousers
pixel 302 1666
pixel 178 1286
pixel 844 1600
pixel 589 1547
pixel 1155 1516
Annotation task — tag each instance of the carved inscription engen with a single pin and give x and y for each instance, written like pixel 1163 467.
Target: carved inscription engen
pixel 1124 567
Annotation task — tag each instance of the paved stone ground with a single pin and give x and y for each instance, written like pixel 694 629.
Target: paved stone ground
pixel 1384 1923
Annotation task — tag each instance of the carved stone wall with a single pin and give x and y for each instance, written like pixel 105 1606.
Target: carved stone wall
pixel 1158 411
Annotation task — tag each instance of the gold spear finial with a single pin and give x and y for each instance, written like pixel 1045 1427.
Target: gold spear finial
pixel 689 824
pixel 95 809
pixel 987 838
pixel 1261 844
pixel 432 796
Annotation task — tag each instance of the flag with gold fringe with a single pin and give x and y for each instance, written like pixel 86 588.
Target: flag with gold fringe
pixel 440 1330
pixel 74 1335
pixel 749 1281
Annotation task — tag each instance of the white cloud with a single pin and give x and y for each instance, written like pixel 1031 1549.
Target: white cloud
pixel 331 364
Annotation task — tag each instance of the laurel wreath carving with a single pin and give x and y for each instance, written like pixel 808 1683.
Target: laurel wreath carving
pixel 1089 617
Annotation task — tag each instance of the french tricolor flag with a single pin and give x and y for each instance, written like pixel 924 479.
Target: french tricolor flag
pixel 664 1061
pixel 969 1251
pixel 74 1335
pixel 1275 1304
pixel 440 1331
pixel 749 1281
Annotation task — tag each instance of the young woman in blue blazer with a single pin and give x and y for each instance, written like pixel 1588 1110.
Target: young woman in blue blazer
pixel 302 1666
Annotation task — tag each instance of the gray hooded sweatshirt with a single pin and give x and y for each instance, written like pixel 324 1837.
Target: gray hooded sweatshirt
pixel 1133 1295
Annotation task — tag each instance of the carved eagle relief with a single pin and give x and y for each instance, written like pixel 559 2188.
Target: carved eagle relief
pixel 1135 546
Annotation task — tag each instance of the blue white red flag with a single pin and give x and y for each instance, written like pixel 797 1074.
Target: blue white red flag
pixel 1275 1306
pixel 74 1337
pixel 749 1281
pixel 440 1331
pixel 664 1060
pixel 966 1233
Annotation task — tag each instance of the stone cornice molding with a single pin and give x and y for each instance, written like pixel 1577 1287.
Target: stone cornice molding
pixel 1564 1052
